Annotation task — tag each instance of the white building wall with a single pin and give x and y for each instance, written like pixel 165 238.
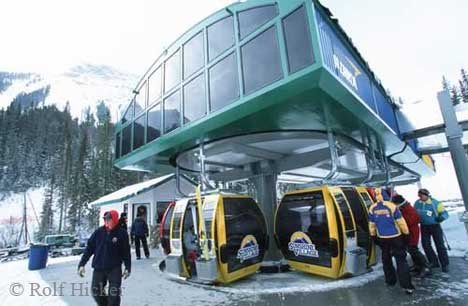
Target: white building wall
pixel 163 193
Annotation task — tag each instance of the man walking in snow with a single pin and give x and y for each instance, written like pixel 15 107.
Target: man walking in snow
pixel 110 247
pixel 123 221
pixel 421 265
pixel 139 233
pixel 432 213
pixel 387 227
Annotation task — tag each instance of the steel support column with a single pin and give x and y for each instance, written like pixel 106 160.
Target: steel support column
pixel 265 187
pixel 454 134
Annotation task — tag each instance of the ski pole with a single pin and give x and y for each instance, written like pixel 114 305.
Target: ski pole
pixel 446 241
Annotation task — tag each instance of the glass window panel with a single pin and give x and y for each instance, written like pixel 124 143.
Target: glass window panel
pixel 172 72
pixel 140 100
pixel 345 212
pixel 298 43
pixel 360 216
pixel 117 145
pixel 127 140
pixel 224 83
pixel 153 129
pixel 139 132
pixel 367 199
pixel 252 19
pixel 172 112
pixel 220 37
pixel 154 86
pixel 261 62
pixel 177 222
pixel 242 217
pixel 195 99
pixel 194 57
pixel 304 213
pixel 128 115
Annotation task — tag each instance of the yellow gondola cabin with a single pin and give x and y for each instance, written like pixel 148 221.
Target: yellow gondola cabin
pixel 229 245
pixel 324 231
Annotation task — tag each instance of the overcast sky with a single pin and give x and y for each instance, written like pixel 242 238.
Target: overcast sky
pixel 409 44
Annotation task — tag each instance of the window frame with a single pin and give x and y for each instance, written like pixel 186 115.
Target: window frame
pixel 161 82
pixel 239 89
pixel 204 54
pixel 141 115
pixel 183 100
pixel 167 90
pixel 154 106
pixel 275 27
pixel 309 36
pixel 221 53
pixel 238 13
pixel 167 97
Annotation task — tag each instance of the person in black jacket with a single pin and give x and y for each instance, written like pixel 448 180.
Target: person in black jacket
pixel 123 221
pixel 110 247
pixel 139 233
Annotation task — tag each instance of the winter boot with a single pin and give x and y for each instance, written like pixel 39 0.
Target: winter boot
pixel 425 272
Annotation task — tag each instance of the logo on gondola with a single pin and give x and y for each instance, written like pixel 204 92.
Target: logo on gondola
pixel 249 249
pixel 301 245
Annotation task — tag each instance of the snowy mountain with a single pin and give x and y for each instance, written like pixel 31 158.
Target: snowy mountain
pixel 82 86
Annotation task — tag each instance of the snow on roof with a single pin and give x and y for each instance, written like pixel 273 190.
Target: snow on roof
pixel 131 191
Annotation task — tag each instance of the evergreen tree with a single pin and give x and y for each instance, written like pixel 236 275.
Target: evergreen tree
pixel 455 95
pixel 445 84
pixel 47 214
pixel 73 160
pixel 464 86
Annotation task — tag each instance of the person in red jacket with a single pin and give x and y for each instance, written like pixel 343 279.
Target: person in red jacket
pixel 411 216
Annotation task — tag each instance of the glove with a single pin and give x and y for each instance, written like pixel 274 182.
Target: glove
pixel 132 239
pixel 81 271
pixel 125 274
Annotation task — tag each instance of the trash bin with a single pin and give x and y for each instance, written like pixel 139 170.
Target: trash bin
pixel 38 255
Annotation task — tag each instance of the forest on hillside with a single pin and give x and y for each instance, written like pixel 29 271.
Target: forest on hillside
pixel 72 159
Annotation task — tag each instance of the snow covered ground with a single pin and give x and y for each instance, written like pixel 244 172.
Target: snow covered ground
pixel 59 285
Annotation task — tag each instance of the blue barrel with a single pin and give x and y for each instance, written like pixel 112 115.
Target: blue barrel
pixel 38 255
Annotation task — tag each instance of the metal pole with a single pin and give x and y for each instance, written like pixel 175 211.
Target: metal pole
pixel 265 185
pixel 454 134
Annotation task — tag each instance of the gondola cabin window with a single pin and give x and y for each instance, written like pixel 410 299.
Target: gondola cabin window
pixel 245 234
pixel 346 213
pixel 304 233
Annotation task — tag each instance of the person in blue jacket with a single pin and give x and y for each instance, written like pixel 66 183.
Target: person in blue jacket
pixel 139 232
pixel 110 247
pixel 432 213
pixel 388 229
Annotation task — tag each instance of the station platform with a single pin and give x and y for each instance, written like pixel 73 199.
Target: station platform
pixel 147 286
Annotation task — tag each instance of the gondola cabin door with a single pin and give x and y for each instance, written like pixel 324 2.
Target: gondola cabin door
pixel 308 233
pixel 241 237
pixel 175 263
pixel 165 230
pixel 352 214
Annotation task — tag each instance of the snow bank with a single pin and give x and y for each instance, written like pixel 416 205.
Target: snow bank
pixel 456 233
pixel 293 282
